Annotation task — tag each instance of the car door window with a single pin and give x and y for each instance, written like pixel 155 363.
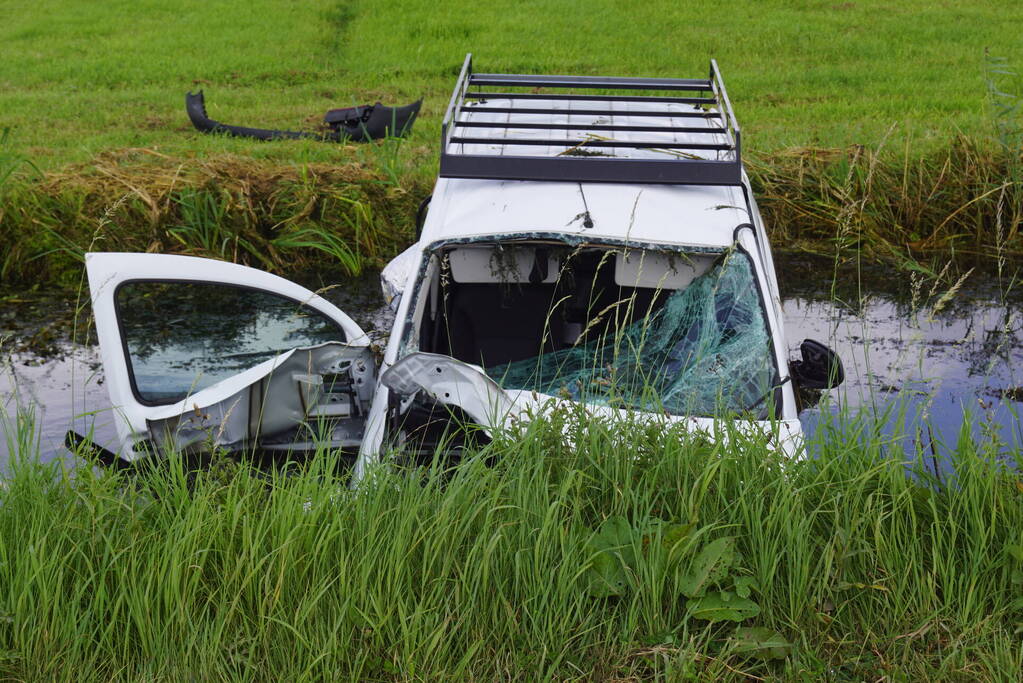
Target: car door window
pixel 183 336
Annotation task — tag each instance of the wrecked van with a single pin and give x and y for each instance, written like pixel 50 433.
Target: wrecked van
pixel 589 240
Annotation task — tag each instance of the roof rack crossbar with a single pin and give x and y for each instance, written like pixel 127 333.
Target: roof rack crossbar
pixel 604 169
pixel 486 95
pixel 480 109
pixel 714 161
pixel 530 81
pixel 592 142
pixel 588 126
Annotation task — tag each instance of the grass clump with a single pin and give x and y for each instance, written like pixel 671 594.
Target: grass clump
pixel 891 207
pixel 584 550
pixel 281 218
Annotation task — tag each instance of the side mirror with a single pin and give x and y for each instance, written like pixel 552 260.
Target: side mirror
pixel 821 368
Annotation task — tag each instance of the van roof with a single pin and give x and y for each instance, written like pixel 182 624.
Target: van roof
pixel 679 215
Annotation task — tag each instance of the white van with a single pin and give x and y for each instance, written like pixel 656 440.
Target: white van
pixel 599 245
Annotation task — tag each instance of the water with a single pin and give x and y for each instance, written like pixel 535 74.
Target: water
pixel 62 392
pixel 910 353
pixel 934 374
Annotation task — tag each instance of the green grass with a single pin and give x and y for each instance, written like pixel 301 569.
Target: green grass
pixel 92 95
pixel 78 79
pixel 798 73
pixel 580 554
pixel 82 78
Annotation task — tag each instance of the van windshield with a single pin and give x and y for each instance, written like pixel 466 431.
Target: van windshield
pixel 705 351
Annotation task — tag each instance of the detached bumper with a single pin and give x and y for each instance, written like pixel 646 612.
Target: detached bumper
pixel 355 124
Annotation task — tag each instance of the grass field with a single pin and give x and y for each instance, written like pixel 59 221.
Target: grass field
pixel 587 551
pixel 78 79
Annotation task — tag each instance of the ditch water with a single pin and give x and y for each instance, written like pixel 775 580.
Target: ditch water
pixel 946 363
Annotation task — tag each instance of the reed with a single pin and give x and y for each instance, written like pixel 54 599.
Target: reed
pixel 857 563
pixel 897 205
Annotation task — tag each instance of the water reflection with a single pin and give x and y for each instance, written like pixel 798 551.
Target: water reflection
pixel 60 393
pixel 904 362
pixel 932 378
pixel 182 337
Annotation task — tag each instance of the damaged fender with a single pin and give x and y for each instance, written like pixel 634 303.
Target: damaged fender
pixel 451 382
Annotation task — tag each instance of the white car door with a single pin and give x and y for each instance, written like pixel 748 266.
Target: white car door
pixel 200 353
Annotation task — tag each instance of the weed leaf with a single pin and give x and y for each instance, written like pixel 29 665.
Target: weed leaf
pixel 761 642
pixel 718 606
pixel 744 585
pixel 613 553
pixel 711 566
pixel 673 537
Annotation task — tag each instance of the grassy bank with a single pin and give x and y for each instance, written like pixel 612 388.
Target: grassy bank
pixel 289 218
pixel 867 126
pixel 280 217
pixel 597 552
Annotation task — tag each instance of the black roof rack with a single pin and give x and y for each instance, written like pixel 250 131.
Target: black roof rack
pixel 492 132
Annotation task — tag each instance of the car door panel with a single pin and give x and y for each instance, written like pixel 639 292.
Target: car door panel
pixel 196 351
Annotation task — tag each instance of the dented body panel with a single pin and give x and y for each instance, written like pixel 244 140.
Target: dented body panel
pixel 230 405
pixel 270 400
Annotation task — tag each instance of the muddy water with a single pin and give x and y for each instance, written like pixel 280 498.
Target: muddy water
pixel 931 378
pixel 946 362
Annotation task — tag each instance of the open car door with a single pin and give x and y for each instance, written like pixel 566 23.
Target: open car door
pixel 200 353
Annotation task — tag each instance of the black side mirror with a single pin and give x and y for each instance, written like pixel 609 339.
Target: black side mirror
pixel 821 368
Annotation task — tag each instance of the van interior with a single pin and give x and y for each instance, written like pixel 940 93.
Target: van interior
pixel 500 303
pixel 658 331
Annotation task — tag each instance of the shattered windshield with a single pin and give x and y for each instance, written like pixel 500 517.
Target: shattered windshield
pixel 706 351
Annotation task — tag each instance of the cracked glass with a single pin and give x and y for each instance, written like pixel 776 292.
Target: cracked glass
pixel 707 351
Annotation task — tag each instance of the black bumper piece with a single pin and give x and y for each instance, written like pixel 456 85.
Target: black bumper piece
pixel 355 124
